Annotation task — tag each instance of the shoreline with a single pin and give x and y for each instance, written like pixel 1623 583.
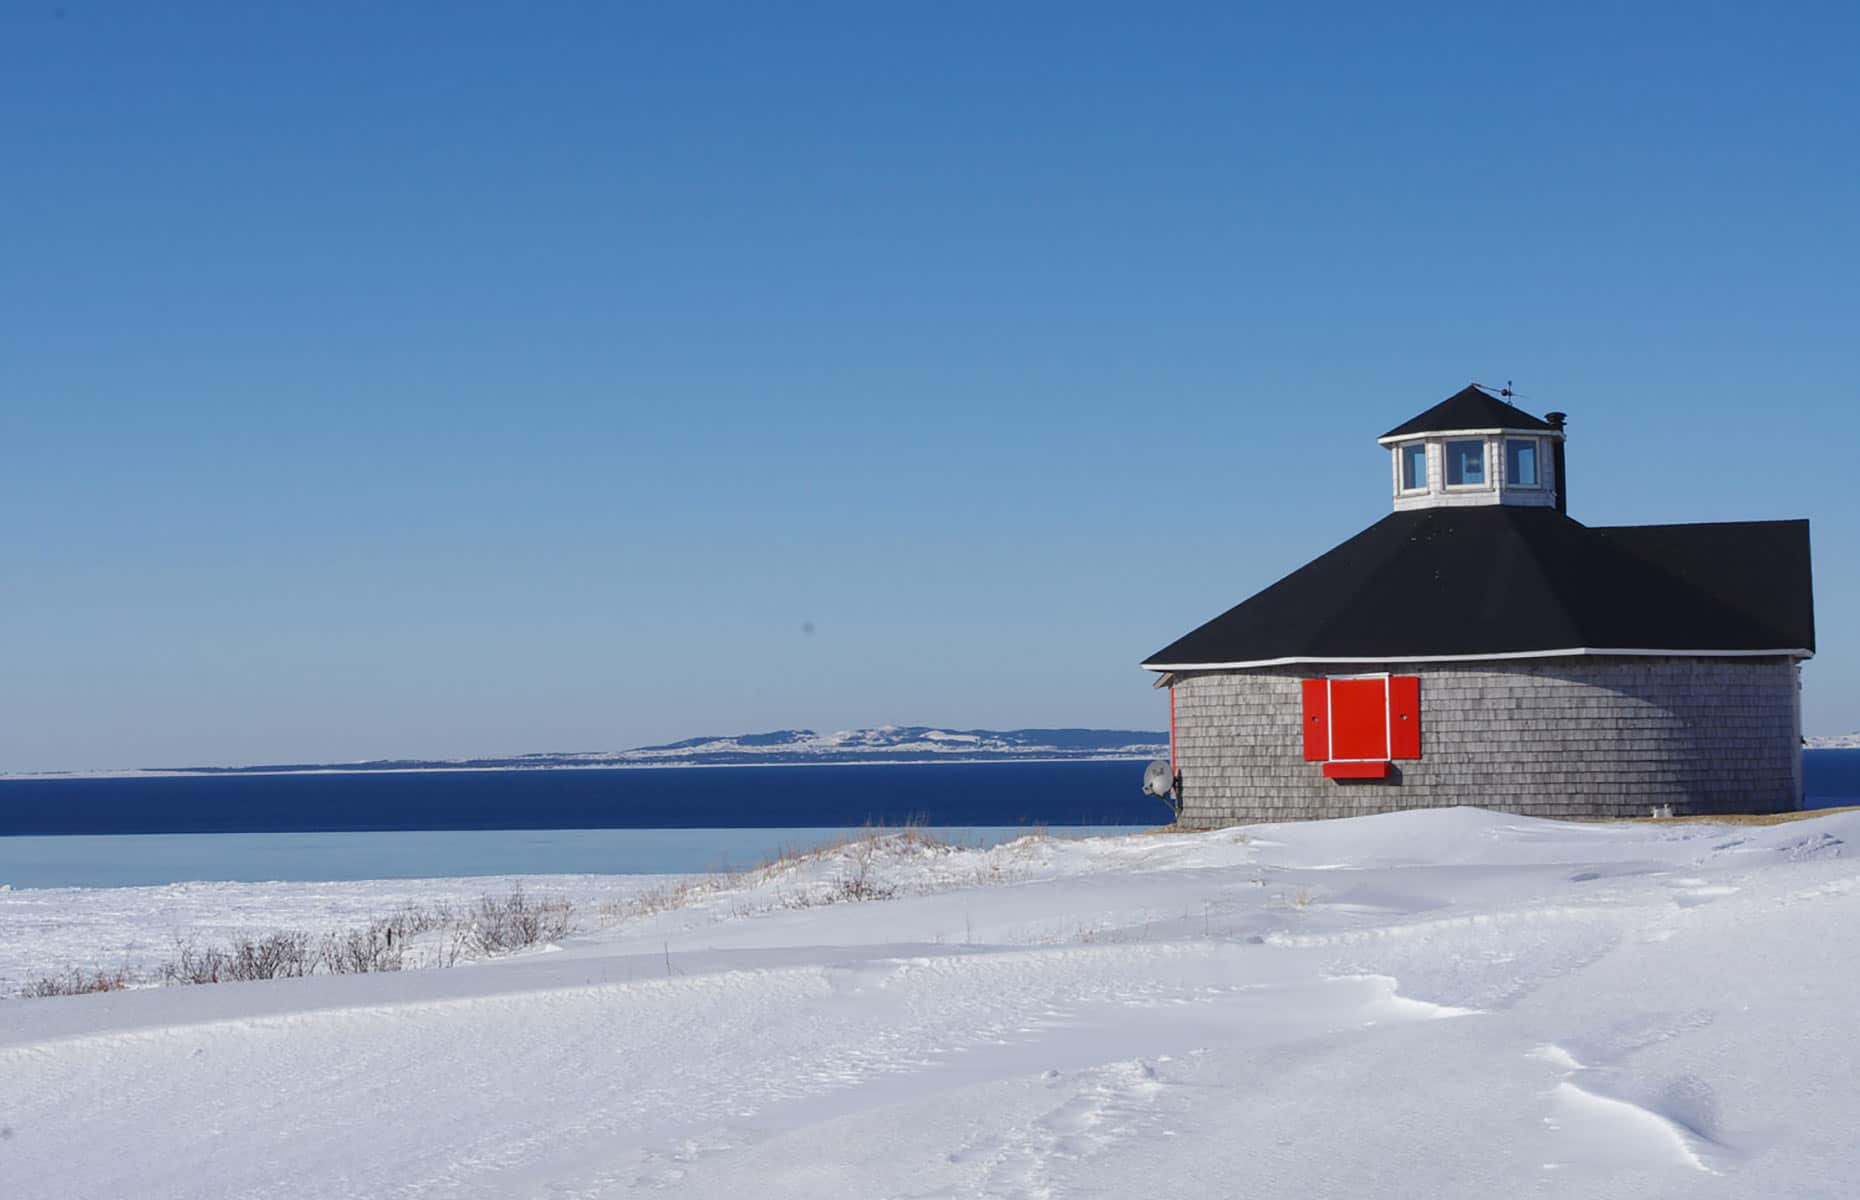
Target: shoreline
pixel 238 772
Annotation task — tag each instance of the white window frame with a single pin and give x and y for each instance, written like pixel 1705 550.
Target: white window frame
pixel 1538 450
pixel 1330 719
pixel 1401 486
pixel 1484 485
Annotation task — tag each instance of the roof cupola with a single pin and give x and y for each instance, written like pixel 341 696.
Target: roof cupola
pixel 1474 448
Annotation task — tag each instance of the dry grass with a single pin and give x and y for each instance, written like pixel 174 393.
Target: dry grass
pixel 912 835
pixel 1297 900
pixel 663 899
pixel 78 983
pixel 437 936
pixel 857 880
pixel 440 936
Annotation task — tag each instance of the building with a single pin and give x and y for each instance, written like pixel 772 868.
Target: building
pixel 1478 646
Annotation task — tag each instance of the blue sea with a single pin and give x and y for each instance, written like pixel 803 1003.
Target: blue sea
pixel 120 832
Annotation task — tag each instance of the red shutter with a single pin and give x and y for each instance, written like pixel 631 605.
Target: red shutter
pixel 1317 720
pixel 1359 719
pixel 1404 716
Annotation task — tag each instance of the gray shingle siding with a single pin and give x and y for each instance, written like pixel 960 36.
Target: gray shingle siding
pixel 1562 737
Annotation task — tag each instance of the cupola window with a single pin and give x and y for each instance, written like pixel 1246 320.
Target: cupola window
pixel 1521 463
pixel 1414 467
pixel 1466 464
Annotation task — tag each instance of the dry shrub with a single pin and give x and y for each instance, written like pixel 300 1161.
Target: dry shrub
pixel 387 943
pixel 78 983
pixel 858 881
pixel 436 936
pixel 858 886
pixel 287 954
pixel 1298 900
pixel 365 950
pixel 503 923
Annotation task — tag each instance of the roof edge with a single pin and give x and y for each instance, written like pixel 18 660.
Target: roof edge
pixel 1703 524
pixel 1797 652
pixel 1389 439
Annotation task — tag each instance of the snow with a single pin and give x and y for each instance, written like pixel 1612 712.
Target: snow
pixel 1430 1004
pixel 50 929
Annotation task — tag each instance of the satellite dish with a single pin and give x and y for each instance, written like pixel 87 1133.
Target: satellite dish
pixel 1159 779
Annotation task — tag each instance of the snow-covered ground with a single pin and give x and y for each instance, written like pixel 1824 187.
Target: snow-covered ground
pixel 50 930
pixel 1431 1004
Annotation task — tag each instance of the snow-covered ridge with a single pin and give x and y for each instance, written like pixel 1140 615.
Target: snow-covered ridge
pixel 1839 741
pixel 882 744
pixel 892 741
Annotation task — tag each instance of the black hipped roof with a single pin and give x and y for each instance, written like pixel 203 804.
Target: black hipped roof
pixel 1469 408
pixel 1497 579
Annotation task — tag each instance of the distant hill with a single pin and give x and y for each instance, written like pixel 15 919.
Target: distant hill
pixel 1840 741
pixel 884 744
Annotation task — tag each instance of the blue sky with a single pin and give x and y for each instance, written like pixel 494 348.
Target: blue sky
pixel 482 380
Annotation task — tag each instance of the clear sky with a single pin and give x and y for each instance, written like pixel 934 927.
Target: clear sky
pixel 437 380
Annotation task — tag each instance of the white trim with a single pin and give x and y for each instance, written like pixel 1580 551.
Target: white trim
pixel 1796 652
pixel 1453 433
pixel 1488 478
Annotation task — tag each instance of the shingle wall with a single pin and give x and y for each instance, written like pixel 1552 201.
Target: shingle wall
pixel 1561 737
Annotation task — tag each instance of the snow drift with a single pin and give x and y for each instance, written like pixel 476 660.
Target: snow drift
pixel 1439 1003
